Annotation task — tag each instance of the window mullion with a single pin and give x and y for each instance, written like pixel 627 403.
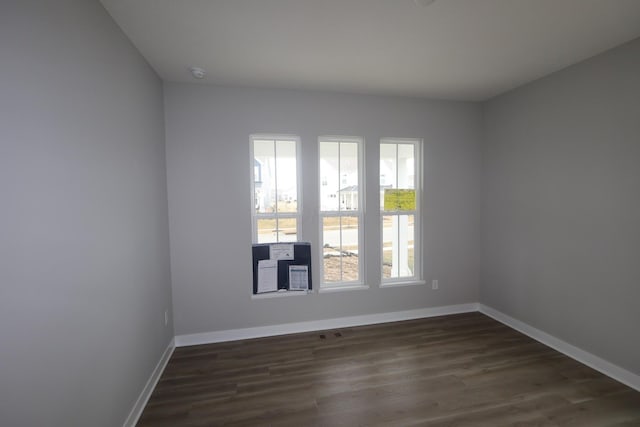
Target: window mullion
pixel 397 168
pixel 398 237
pixel 340 249
pixel 339 178
pixel 340 207
pixel 275 171
pixel 397 254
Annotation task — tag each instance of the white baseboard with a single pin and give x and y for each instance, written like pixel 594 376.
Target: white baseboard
pixel 137 409
pixel 595 362
pixel 319 325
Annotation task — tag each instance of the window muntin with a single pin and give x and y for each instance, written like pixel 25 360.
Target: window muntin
pixel 341 210
pixel 275 188
pixel 400 209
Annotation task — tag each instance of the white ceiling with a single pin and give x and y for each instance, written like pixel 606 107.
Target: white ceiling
pixel 452 49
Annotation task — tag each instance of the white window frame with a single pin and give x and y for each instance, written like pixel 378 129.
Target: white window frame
pixel 360 214
pixel 255 216
pixel 416 279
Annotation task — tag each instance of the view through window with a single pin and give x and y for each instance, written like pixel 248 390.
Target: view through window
pixel 399 205
pixel 276 201
pixel 276 213
pixel 341 210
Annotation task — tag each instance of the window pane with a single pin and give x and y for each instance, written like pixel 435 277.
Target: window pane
pixel 398 246
pixel 266 229
pixel 339 176
pixel 348 176
pixel 340 251
pixel 264 175
pixel 397 177
pixel 275 189
pixel 405 165
pixel 329 176
pixel 286 176
pixel 276 230
pixel 388 169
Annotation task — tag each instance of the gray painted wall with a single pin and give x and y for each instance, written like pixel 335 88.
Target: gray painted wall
pixel 208 163
pixel 561 205
pixel 84 256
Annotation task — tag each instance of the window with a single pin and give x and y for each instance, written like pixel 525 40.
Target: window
pixel 400 209
pixel 275 188
pixel 341 196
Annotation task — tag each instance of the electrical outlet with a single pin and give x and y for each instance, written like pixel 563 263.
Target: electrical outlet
pixel 166 317
pixel 434 284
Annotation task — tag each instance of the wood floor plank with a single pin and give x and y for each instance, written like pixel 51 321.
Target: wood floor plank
pixel 460 370
pixel 603 411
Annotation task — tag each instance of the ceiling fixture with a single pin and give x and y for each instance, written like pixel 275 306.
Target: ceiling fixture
pixel 197 72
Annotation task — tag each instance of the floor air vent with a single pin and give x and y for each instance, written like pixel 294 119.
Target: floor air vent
pixel 331 335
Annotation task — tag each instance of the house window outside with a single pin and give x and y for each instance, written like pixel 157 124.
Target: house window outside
pixel 341 213
pixel 400 194
pixel 275 188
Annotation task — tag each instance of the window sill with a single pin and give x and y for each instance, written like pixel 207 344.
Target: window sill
pixel 331 289
pixel 401 284
pixel 280 294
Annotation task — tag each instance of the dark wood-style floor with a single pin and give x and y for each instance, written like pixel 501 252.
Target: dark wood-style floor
pixel 459 370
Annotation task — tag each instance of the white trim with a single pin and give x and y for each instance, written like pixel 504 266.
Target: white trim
pixel 343 287
pixel 144 396
pixel 318 325
pixel 402 283
pixel 591 360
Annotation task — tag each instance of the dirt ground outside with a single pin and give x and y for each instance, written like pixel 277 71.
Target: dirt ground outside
pixel 349 268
